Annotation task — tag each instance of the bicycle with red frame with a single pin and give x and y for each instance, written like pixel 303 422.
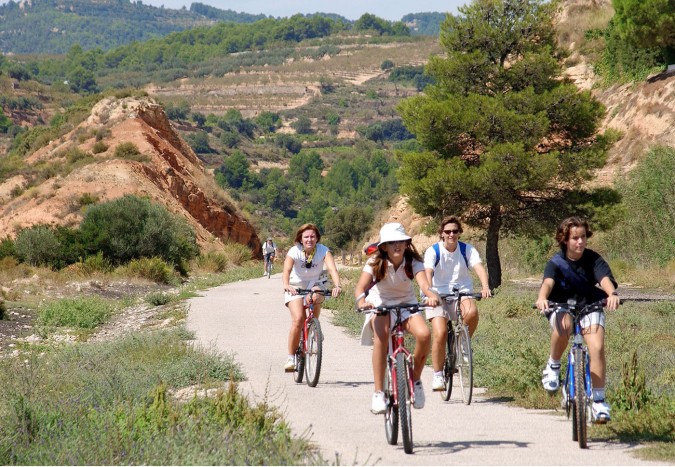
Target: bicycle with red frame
pixel 309 353
pixel 398 385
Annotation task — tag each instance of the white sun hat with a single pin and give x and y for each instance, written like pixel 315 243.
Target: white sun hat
pixel 392 232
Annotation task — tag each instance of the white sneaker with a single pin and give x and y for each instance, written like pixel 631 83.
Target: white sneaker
pixel 551 378
pixel 600 411
pixel 419 395
pixel 438 382
pixel 289 367
pixel 379 405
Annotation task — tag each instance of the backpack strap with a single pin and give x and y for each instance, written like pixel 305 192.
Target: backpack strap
pixel 570 275
pixel 462 250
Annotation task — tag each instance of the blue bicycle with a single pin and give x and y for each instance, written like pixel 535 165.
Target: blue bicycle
pixel 577 390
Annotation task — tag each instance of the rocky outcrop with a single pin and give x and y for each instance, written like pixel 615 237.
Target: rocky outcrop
pixel 168 172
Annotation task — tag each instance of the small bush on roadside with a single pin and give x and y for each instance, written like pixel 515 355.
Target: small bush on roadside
pixel 154 269
pixel 83 313
pixel 130 151
pixel 212 261
pixel 159 298
pixel 236 253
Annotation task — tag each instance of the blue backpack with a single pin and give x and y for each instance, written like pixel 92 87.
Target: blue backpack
pixel 462 250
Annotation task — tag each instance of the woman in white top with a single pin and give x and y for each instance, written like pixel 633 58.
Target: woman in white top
pixel 393 266
pixel 446 265
pixel 303 269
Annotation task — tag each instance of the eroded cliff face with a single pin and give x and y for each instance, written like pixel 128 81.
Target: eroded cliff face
pixel 169 173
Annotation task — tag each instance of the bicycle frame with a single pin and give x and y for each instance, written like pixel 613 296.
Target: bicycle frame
pixel 397 346
pixel 578 366
pixel 303 352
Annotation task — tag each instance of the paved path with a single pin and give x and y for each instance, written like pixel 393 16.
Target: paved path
pixel 248 319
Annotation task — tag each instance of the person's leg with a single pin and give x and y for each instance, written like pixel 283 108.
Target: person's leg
pixel 380 346
pixel 595 341
pixel 318 300
pixel 297 312
pixel 439 327
pixel 470 314
pixel 561 328
pixel 417 326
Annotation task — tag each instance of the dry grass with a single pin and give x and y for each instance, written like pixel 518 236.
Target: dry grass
pixel 578 18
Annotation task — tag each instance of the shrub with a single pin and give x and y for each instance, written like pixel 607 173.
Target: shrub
pixel 302 126
pixel 87 199
pixel 159 298
pixel 99 147
pixel 212 261
pixel 84 313
pixel 153 269
pixel 236 253
pixel 387 65
pixel 37 245
pixel 130 151
pixel 7 248
pixel 130 228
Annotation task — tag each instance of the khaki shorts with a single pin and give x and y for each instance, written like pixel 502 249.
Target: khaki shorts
pixel 597 317
pixel 446 310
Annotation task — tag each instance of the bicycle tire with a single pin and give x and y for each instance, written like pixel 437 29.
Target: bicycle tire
pixel 580 398
pixel 299 364
pixel 404 402
pixel 391 413
pixel 465 363
pixel 314 352
pixel 449 364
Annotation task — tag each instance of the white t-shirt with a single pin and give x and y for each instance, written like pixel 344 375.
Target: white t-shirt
pixel 267 248
pixel 395 287
pixel 451 269
pixel 304 277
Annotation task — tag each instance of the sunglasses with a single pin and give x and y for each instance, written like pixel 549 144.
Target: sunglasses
pixel 452 231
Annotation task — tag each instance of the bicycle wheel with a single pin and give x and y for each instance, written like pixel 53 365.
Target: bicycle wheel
pixel 391 414
pixel 269 269
pixel 299 363
pixel 404 405
pixel 449 364
pixel 580 399
pixel 465 363
pixel 314 352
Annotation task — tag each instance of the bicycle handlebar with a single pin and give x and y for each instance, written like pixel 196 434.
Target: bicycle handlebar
pixel 572 308
pixel 325 293
pixel 386 309
pixel 456 295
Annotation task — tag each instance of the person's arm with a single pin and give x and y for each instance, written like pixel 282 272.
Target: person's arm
pixel 286 275
pixel 432 297
pixel 612 298
pixel 483 276
pixel 545 290
pixel 332 270
pixel 430 275
pixel 360 291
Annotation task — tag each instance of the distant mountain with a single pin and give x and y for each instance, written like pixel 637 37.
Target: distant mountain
pixel 54 26
pixel 424 24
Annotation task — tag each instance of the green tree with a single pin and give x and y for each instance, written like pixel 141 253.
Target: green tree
pixel 235 169
pixel 37 245
pixel 508 144
pixel 647 24
pixel 302 126
pixel 348 225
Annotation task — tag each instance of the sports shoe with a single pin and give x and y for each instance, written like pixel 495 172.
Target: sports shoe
pixel 379 405
pixel 551 377
pixel 438 382
pixel 419 395
pixel 289 367
pixel 600 411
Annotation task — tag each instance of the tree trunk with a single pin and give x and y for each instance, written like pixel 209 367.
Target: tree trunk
pixel 494 265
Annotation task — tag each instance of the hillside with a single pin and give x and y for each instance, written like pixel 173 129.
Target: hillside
pixel 54 26
pixel 164 169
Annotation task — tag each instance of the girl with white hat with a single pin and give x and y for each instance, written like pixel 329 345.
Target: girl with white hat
pixel 392 269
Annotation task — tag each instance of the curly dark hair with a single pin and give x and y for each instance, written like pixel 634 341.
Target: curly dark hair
pixel 562 235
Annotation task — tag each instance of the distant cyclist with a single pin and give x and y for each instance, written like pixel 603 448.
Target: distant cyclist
pixel 446 265
pixel 269 250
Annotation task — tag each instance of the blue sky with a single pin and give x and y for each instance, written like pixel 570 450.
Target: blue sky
pixel 391 10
